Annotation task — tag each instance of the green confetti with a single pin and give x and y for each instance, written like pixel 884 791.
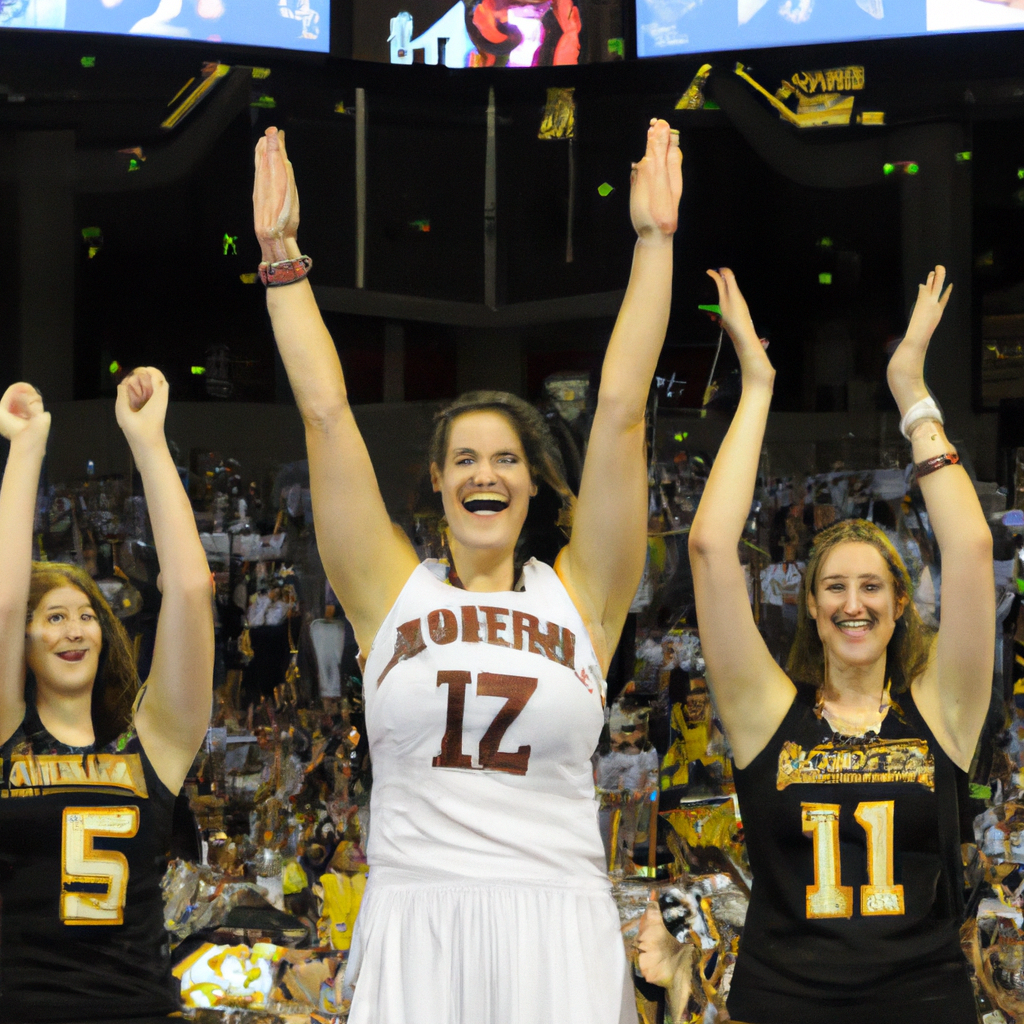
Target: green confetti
pixel 825 278
pixel 88 62
pixel 980 792
pixel 605 190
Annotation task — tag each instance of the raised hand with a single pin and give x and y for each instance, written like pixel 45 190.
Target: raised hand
pixel 656 184
pixel 754 363
pixel 22 412
pixel 905 373
pixel 275 199
pixel 142 406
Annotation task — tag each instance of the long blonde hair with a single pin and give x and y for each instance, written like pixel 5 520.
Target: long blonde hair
pixel 909 648
pixel 117 682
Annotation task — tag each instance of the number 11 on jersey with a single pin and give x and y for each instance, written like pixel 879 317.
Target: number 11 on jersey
pixel 828 897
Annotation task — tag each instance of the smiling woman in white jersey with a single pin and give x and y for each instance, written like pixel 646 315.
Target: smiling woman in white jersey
pixel 487 901
pixel 91 764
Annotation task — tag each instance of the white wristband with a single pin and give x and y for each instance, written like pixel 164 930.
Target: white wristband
pixel 926 409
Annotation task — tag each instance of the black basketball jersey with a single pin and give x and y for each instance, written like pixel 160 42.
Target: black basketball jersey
pixel 858 887
pixel 83 840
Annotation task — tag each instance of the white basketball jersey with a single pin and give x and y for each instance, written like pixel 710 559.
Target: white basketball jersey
pixel 483 711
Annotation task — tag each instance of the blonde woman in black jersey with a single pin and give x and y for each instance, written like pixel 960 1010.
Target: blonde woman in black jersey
pixel 848 786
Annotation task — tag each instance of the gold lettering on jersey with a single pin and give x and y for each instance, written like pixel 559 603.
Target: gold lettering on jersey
pixel 907 760
pixel 486 624
pixel 55 773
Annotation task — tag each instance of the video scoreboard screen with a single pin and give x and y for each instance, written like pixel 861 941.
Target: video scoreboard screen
pixel 666 27
pixel 282 24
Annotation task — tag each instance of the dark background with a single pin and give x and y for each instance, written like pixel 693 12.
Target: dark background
pixel 161 289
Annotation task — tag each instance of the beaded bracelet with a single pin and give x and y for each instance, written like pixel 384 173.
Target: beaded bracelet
pixel 936 462
pixel 283 272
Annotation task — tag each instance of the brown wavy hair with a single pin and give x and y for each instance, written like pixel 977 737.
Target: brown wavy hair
pixel 117 682
pixel 542 454
pixel 910 647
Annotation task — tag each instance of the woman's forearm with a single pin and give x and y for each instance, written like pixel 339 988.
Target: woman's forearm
pixel 17 517
pixel 182 558
pixel 632 355
pixel 308 352
pixel 725 503
pixel 953 508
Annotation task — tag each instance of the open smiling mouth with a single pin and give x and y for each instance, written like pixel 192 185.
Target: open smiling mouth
pixel 485 506
pixel 855 625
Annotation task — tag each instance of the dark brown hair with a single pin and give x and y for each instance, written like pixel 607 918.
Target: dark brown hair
pixel 910 646
pixel 542 454
pixel 117 682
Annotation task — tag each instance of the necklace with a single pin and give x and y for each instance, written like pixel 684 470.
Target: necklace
pixel 847 729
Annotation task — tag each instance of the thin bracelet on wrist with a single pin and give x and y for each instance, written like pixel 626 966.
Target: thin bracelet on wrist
pixel 936 462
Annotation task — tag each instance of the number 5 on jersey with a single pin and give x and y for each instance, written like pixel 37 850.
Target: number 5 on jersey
pixel 104 871
pixel 516 690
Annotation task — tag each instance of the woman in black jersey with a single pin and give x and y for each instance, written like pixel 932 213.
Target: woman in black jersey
pixel 91 766
pixel 848 794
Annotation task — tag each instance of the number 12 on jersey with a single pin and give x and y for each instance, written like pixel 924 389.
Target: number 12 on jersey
pixel 828 897
pixel 516 690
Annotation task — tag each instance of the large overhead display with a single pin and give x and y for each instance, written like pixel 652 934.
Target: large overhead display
pixel 488 33
pixel 285 24
pixel 701 26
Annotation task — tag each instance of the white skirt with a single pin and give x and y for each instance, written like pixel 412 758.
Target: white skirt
pixel 476 952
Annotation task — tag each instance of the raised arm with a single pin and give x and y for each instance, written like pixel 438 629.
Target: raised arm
pixel 366 558
pixel 751 692
pixel 953 693
pixel 25 423
pixel 604 559
pixel 175 711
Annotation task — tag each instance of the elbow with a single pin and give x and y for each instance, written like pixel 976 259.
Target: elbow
pixel 194 587
pixel 321 414
pixel 620 408
pixel 707 547
pixel 703 538
pixel 696 543
pixel 982 547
